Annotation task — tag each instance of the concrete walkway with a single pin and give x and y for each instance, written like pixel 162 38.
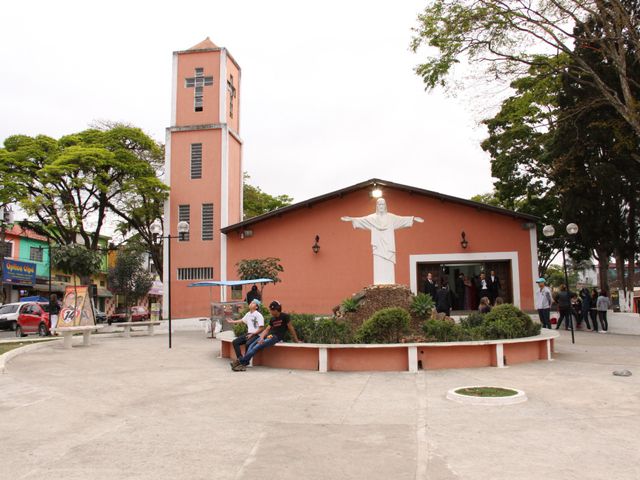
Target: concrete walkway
pixel 132 409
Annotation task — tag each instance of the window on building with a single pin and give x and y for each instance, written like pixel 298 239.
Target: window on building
pixel 198 82
pixel 236 292
pixel 62 278
pixel 207 221
pixel 196 160
pixel 35 254
pixel 195 273
pixel 232 94
pixel 6 249
pixel 184 215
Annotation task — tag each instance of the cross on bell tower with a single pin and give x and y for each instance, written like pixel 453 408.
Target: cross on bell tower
pixel 232 94
pixel 198 82
pixel 204 171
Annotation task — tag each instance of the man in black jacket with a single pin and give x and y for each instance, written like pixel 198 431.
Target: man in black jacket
pixel 430 286
pixel 494 286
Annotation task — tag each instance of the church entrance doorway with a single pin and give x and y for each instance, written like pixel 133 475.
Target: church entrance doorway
pixel 464 280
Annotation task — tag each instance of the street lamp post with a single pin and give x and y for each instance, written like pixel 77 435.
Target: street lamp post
pixel 156 231
pixel 572 229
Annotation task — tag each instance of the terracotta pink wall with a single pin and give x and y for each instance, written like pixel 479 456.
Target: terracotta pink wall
pixel 187 63
pixel 191 302
pixel 235 181
pixel 457 357
pixel 315 283
pixel 234 122
pixel 364 359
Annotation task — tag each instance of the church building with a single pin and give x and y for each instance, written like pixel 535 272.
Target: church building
pixel 325 259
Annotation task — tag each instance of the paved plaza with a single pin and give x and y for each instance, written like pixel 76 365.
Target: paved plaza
pixel 133 409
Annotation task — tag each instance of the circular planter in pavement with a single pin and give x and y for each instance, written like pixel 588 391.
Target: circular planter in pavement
pixel 519 397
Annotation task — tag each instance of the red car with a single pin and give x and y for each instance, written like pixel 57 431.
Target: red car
pixel 138 314
pixel 33 318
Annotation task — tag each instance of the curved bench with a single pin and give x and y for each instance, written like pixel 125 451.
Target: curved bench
pixel 400 356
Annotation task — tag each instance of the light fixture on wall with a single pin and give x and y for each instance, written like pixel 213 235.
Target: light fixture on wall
pixel 316 246
pixel 464 243
pixel 376 192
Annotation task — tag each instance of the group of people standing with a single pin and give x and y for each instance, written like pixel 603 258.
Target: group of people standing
pixel 470 293
pixel 588 306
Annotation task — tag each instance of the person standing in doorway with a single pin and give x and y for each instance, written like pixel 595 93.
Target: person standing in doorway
pixel 494 286
pixel 602 305
pixel 430 286
pixel 443 299
pixel 564 307
pixel 483 286
pixel 543 303
pixel 460 292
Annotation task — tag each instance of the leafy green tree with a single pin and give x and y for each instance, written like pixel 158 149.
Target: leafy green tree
pixel 76 260
pixel 508 37
pixel 128 276
pixel 256 202
pixel 253 268
pixel 70 185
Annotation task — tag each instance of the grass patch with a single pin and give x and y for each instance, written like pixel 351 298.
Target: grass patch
pixel 486 392
pixel 6 347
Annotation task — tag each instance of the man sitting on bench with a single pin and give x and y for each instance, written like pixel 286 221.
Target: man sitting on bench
pixel 255 325
pixel 278 325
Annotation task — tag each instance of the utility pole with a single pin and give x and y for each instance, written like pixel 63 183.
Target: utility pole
pixel 6 216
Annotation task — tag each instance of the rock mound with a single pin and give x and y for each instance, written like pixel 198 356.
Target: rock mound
pixel 376 297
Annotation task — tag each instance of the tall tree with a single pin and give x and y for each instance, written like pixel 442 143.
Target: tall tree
pixel 507 37
pixel 70 185
pixel 128 276
pixel 256 202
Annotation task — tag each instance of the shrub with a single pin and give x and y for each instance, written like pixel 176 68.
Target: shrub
pixel 445 331
pixel 304 325
pixel 350 304
pixel 422 305
pixel 330 330
pixel 473 320
pixel 385 326
pixel 508 321
pixel 239 329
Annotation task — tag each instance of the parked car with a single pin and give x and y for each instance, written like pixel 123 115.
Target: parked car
pixel 101 317
pixel 33 317
pixel 9 316
pixel 138 314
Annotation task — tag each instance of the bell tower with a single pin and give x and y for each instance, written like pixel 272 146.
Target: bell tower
pixel 203 168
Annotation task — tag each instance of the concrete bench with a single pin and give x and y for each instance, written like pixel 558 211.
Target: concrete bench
pixel 127 327
pixel 86 330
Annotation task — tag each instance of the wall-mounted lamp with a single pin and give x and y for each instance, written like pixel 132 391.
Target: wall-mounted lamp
pixel 376 192
pixel 316 246
pixel 464 243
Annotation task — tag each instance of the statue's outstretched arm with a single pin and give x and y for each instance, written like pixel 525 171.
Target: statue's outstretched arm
pixel 418 219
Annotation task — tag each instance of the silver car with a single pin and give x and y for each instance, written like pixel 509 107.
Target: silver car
pixel 9 315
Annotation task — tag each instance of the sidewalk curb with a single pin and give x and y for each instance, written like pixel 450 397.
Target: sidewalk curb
pixel 6 357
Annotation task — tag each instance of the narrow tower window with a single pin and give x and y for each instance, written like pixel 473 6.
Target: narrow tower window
pixel 196 160
pixel 232 94
pixel 207 221
pixel 198 82
pixel 184 215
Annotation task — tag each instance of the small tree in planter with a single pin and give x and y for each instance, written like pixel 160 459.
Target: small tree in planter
pixel 253 268
pixel 76 260
pixel 129 278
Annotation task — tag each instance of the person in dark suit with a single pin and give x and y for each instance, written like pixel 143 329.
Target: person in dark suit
pixel 494 286
pixel 443 299
pixel 460 292
pixel 430 286
pixel 482 286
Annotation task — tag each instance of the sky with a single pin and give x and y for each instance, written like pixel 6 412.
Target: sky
pixel 329 97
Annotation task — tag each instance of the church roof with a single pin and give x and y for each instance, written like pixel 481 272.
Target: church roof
pixel 378 183
pixel 204 45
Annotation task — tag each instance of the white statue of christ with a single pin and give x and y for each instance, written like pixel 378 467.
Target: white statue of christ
pixel 383 226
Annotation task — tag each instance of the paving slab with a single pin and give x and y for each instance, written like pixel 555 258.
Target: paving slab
pixel 133 409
